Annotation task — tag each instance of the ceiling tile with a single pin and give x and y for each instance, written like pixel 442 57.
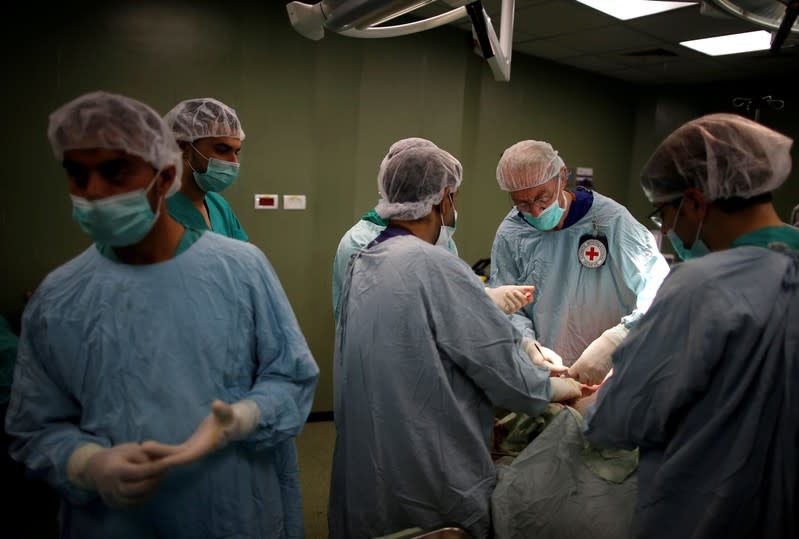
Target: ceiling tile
pixel 544 48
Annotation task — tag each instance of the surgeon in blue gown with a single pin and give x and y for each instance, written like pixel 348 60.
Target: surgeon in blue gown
pixel 706 385
pixel 210 137
pixel 422 357
pixel 159 369
pixel 594 266
pixel 368 227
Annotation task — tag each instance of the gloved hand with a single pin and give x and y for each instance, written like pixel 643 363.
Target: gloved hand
pixel 564 389
pixel 124 475
pixel 541 355
pixel 225 423
pixel 594 363
pixel 511 298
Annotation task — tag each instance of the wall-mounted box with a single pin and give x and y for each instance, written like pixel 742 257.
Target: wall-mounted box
pixel 293 202
pixel 267 202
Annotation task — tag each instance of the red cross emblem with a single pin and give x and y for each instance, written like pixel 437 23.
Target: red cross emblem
pixel 592 253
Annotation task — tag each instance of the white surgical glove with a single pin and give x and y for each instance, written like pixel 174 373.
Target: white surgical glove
pixel 225 423
pixel 124 475
pixel 594 363
pixel 510 298
pixel 541 355
pixel 564 389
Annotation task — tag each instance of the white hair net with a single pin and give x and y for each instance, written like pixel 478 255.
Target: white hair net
pixel 397 147
pixel 527 164
pixel 193 119
pixel 413 180
pixel 115 122
pixel 405 143
pixel 795 216
pixel 722 155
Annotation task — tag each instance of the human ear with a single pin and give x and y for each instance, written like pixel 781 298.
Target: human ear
pixel 185 149
pixel 167 177
pixel 695 201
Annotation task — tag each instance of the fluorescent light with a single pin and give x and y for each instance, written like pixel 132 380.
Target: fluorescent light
pixel 630 9
pixel 731 44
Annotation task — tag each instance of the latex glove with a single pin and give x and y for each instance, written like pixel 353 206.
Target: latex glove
pixel 541 355
pixel 225 423
pixel 594 363
pixel 564 389
pixel 511 298
pixel 124 475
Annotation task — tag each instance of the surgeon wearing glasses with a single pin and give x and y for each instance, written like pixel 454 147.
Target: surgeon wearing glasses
pixel 594 266
pixel 705 384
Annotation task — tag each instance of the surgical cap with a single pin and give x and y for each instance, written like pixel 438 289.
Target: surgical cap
pixel 414 179
pixel 527 164
pixel 405 143
pixel 722 155
pixel 194 119
pixel 400 145
pixel 115 122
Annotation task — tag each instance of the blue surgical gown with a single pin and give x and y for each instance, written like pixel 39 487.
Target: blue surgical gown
pixel 113 353
pixel 422 357
pixel 355 239
pixel 574 304
pixel 707 386
pixel 352 241
pixel 223 219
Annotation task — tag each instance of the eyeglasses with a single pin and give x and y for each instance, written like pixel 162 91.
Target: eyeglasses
pixel 543 200
pixel 657 215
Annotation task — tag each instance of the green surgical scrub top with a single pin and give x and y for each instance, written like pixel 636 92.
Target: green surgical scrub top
pixel 223 220
pixel 764 237
pixel 8 358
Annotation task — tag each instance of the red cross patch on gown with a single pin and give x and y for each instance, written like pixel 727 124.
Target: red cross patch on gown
pixel 593 251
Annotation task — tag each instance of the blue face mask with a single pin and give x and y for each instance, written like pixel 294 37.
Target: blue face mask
pixel 445 233
pixel 118 220
pixel 549 218
pixel 698 247
pixel 218 176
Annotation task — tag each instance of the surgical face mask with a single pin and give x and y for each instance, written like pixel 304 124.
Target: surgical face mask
pixel 698 247
pixel 550 217
pixel 218 176
pixel 118 220
pixel 445 233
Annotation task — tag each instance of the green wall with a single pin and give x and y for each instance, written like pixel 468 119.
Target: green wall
pixel 319 116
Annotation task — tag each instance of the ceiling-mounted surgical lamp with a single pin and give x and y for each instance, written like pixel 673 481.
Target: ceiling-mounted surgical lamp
pixel 362 18
pixel 779 16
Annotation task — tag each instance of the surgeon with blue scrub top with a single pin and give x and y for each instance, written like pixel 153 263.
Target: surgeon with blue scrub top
pixel 210 137
pixel 594 266
pixel 706 384
pixel 159 370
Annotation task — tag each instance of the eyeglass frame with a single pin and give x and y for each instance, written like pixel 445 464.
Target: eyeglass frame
pixel 655 216
pixel 538 200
